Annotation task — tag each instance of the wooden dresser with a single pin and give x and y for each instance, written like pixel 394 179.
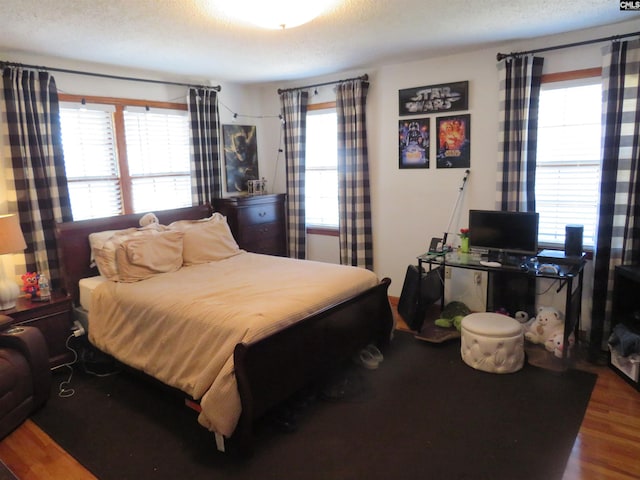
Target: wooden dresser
pixel 257 222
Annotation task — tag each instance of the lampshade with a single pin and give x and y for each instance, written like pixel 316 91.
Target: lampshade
pixel 11 241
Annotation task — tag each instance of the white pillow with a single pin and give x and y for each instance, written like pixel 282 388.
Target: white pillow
pixel 98 239
pixel 183 225
pixel 104 247
pixel 141 257
pixel 206 240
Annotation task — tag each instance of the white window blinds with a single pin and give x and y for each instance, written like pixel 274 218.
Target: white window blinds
pixel 125 160
pixel 321 183
pixel 90 160
pixel 158 158
pixel 568 159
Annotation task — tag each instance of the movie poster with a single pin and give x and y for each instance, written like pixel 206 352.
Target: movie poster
pixel 414 143
pixel 240 156
pixel 454 141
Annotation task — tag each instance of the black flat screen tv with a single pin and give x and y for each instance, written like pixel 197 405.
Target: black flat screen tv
pixel 500 232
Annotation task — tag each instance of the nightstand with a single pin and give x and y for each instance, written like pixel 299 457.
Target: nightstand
pixel 53 318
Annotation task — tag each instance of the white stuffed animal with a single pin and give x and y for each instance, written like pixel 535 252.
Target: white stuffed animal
pixel 544 325
pixel 149 219
pixel 555 343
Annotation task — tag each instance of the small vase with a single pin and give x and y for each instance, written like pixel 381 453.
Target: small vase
pixel 464 245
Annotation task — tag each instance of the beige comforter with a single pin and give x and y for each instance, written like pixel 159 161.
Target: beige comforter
pixel 182 327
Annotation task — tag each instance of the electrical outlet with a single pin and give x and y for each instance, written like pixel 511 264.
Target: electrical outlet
pixel 477 278
pixel 447 273
pixel 77 329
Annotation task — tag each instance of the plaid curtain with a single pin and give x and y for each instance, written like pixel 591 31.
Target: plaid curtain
pixel 618 238
pixel 519 94
pixel 294 111
pixel 206 176
pixel 37 182
pixel 356 237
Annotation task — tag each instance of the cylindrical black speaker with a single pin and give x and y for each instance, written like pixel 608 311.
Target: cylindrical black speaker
pixel 573 240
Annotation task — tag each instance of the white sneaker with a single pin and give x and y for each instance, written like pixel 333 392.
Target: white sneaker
pixel 373 350
pixel 366 359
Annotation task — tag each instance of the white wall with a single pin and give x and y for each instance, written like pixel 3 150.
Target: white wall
pixel 411 206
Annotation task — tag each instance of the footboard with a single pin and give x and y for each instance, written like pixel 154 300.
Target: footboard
pixel 271 369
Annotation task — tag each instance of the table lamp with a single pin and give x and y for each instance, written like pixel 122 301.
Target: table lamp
pixel 11 241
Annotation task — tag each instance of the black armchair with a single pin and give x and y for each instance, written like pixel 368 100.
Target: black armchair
pixel 25 377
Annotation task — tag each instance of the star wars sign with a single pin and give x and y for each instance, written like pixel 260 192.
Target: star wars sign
pixel 447 97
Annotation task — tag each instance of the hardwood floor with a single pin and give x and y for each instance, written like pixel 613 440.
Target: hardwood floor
pixel 32 455
pixel 607 447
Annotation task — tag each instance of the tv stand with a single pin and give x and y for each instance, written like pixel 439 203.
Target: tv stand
pixel 569 277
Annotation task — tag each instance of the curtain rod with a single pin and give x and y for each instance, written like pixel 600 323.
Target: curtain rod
pixel 364 77
pixel 501 56
pixel 3 64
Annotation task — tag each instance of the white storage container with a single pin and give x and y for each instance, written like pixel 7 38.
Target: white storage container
pixel 629 365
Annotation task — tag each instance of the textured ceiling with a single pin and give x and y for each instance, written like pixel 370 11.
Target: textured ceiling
pixel 189 38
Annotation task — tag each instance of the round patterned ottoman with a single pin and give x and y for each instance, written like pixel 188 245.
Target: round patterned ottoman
pixel 492 342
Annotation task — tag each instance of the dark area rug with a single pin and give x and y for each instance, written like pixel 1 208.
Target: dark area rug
pixel 5 473
pixel 422 414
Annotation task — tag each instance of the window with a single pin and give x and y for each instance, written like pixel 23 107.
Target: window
pixel 88 141
pixel 125 158
pixel 321 184
pixel 158 158
pixel 568 159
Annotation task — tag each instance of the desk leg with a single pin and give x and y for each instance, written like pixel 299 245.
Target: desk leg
pixel 573 307
pixel 568 320
pixel 443 277
pixel 419 306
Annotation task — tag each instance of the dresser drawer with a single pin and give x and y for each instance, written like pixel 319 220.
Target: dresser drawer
pixel 258 214
pixel 264 231
pixel 264 238
pixel 267 246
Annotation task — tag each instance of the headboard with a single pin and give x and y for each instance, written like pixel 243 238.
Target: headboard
pixel 74 250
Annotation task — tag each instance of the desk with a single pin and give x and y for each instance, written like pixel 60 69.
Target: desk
pixel 570 275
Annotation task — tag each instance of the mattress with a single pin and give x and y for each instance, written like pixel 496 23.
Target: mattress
pixel 87 286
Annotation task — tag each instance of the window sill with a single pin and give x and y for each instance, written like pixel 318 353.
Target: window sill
pixel 326 231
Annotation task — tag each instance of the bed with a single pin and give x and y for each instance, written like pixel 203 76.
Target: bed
pixel 258 353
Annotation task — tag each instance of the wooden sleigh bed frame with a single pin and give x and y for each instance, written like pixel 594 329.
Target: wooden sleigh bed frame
pixel 264 370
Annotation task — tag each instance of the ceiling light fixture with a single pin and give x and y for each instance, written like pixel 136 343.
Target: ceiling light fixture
pixel 273 14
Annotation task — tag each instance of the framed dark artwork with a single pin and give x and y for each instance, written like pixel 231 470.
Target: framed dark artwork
pixel 443 98
pixel 413 145
pixel 454 141
pixel 240 156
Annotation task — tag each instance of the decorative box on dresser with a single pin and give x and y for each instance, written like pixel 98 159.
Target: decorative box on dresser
pixel 256 221
pixel 53 318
